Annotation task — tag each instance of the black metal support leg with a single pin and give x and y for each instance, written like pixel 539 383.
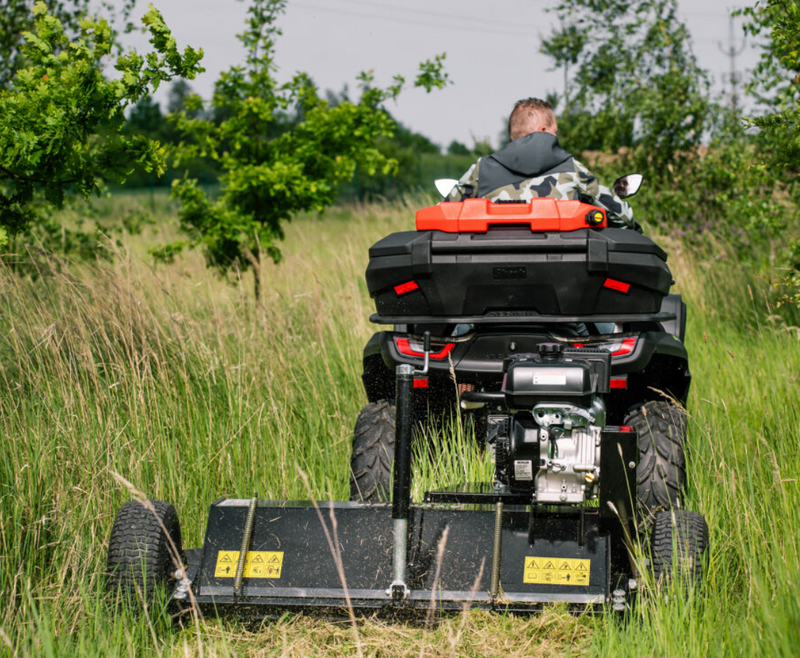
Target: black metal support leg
pixel 401 488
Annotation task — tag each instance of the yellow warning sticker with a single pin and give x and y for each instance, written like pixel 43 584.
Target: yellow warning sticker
pixel 257 564
pixel 556 571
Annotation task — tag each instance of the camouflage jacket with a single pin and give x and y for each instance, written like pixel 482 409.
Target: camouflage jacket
pixel 536 166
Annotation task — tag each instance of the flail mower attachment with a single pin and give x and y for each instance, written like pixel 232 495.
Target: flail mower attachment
pixel 490 548
pixel 494 547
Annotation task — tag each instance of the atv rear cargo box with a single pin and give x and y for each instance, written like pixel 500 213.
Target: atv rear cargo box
pixel 508 269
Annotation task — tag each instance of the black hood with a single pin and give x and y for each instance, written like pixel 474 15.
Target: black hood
pixel 533 155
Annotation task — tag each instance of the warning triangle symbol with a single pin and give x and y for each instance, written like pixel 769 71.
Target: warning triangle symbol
pixel 274 559
pixel 549 565
pixel 257 559
pixel 225 559
pixel 530 563
pixel 580 567
pixel 564 566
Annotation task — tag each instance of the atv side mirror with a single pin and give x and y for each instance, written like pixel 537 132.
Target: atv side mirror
pixel 445 185
pixel 628 185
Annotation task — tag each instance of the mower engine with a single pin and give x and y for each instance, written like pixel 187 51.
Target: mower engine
pixel 548 445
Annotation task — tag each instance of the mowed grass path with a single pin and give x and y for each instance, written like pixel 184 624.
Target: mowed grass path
pixel 179 383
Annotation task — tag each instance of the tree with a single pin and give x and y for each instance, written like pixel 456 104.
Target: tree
pixel 565 46
pixel 407 149
pixel 407 138
pixel 776 81
pixel 16 18
pixel 146 119
pixel 60 118
pixel 269 177
pixel 637 79
pixel 640 96
pixel 179 91
pixel 457 148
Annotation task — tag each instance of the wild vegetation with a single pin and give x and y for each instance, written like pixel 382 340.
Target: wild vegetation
pixel 184 386
pixel 120 377
pixel 62 116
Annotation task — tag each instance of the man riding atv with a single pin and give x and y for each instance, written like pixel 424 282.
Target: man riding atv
pixel 534 165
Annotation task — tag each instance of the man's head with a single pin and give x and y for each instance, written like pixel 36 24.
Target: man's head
pixel 531 115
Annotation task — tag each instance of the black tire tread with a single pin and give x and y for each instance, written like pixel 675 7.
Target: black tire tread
pixel 373 453
pixel 661 474
pixel 140 558
pixel 682 531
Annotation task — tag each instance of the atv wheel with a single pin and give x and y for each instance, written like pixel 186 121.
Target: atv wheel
pixel 661 474
pixel 373 453
pixel 144 549
pixel 678 541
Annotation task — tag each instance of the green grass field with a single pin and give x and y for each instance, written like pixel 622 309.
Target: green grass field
pixel 179 383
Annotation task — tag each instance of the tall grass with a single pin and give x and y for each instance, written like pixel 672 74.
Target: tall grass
pixel 177 381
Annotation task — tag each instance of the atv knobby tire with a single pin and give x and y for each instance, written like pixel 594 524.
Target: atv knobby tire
pixel 142 550
pixel 373 453
pixel 661 474
pixel 678 541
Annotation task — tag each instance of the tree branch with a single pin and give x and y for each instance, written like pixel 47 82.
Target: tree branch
pixel 32 179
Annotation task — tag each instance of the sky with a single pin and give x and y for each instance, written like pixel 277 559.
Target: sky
pixel 492 51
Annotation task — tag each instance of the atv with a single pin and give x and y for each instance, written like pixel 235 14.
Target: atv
pixel 556 322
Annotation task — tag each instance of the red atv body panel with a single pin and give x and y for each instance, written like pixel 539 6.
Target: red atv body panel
pixel 540 215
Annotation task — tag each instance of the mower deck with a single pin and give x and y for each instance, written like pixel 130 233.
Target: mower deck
pixel 291 563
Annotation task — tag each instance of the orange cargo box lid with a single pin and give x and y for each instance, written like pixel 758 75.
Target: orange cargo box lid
pixel 477 215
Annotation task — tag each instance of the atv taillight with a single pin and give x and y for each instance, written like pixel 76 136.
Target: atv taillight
pixel 619 286
pixel 617 347
pixel 625 347
pixel 403 288
pixel 410 347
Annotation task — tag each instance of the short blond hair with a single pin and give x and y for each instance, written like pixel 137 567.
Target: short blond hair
pixel 528 115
